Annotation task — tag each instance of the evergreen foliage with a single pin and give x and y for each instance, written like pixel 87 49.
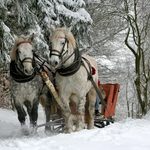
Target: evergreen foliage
pixel 39 17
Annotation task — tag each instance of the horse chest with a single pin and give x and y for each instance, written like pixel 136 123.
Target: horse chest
pixel 25 91
pixel 73 84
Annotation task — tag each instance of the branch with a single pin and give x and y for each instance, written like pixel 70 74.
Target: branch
pixel 107 38
pixel 128 45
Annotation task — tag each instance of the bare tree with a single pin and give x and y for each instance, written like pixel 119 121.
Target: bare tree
pixel 137 15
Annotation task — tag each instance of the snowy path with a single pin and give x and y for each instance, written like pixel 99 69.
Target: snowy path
pixel 125 135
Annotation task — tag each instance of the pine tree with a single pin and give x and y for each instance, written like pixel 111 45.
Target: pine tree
pixel 40 16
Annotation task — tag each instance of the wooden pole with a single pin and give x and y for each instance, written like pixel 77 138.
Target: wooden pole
pixel 52 90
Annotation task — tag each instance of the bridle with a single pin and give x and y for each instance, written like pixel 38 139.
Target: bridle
pixel 74 66
pixel 16 71
pixel 60 54
pixel 26 59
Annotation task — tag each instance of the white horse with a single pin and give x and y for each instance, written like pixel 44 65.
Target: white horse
pixel 72 79
pixel 26 85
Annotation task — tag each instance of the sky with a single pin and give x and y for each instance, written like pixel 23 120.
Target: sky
pixel 127 134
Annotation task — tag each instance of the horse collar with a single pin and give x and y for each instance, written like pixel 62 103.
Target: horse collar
pixel 74 67
pixel 18 75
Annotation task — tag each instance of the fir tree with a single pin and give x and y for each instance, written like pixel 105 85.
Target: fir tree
pixel 40 17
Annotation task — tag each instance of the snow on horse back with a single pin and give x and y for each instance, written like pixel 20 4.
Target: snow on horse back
pixel 72 79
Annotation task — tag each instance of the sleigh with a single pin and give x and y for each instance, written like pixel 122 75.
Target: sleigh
pixel 56 124
pixel 108 111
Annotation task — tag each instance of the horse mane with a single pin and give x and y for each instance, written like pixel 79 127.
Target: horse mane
pixel 68 35
pixel 19 40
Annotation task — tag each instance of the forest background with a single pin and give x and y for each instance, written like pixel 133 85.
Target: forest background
pixel 115 32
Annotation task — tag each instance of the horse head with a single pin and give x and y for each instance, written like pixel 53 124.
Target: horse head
pixel 62 45
pixel 22 54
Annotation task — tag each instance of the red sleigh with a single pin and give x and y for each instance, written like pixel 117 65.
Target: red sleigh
pixel 111 91
pixel 108 111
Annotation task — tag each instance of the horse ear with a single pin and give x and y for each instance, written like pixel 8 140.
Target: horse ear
pixel 31 38
pixel 15 37
pixel 52 29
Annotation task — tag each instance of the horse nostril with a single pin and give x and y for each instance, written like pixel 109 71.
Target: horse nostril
pixel 26 71
pixel 56 63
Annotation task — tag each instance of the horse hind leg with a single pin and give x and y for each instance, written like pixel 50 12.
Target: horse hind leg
pixel 50 107
pixel 91 99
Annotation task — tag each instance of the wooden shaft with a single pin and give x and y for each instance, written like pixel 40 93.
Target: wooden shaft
pixel 52 90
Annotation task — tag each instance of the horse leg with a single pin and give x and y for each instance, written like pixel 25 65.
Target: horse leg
pixel 69 124
pixel 91 97
pixel 28 106
pixel 81 111
pixel 48 113
pixel 22 117
pixel 34 114
pixel 50 107
pixel 21 114
pixel 68 117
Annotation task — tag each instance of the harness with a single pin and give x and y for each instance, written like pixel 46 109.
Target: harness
pixel 71 69
pixel 74 67
pixel 17 74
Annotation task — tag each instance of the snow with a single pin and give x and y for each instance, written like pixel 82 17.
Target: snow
pixel 78 3
pixel 81 14
pixel 128 134
pixel 104 61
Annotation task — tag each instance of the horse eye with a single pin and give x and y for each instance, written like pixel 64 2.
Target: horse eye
pixel 19 52
pixel 62 43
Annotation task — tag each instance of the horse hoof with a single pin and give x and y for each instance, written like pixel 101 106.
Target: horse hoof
pixel 78 129
pixel 69 130
pixel 48 131
pixel 25 130
pixel 90 126
pixel 33 130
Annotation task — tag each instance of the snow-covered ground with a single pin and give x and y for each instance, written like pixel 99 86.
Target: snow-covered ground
pixel 128 134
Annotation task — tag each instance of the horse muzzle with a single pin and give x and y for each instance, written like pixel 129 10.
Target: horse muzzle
pixel 54 61
pixel 28 68
pixel 28 71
